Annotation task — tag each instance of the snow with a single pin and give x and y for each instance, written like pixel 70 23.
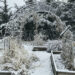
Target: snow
pixel 40 67
pixel 28 47
pixel 43 66
pixel 54 45
pixel 1 44
pixel 59 62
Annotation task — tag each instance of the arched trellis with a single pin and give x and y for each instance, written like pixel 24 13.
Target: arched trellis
pixel 18 20
pixel 38 16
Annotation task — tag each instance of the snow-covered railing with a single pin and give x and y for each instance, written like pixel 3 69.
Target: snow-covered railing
pixel 68 27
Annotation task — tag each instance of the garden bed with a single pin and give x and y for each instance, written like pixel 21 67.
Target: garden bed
pixel 39 48
pixel 5 73
pixel 58 65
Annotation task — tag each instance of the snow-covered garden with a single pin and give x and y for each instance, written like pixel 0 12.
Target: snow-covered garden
pixel 22 60
pixel 38 38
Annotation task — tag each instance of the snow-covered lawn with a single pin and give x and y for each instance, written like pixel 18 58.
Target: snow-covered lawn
pixel 43 66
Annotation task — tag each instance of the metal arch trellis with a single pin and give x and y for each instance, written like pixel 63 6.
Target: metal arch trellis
pixel 37 8
pixel 36 11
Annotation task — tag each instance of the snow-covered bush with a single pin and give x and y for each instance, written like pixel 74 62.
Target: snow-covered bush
pixel 17 59
pixel 55 45
pixel 50 25
pixel 66 13
pixel 28 30
pixel 67 50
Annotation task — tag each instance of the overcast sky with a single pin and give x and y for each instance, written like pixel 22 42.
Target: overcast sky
pixel 20 2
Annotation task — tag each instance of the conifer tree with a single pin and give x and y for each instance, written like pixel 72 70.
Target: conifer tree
pixel 48 1
pixel 30 1
pixel 71 0
pixel 5 15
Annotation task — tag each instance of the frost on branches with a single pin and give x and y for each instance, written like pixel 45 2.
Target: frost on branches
pixel 67 53
pixel 17 59
pixel 42 18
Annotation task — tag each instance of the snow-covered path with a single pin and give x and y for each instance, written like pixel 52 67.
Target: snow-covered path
pixel 43 66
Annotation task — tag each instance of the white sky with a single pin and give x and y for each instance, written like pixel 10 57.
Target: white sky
pixel 12 2
pixel 20 2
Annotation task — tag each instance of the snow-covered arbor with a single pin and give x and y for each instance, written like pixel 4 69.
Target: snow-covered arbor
pixel 41 16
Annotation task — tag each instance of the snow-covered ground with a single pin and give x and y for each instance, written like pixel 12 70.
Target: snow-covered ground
pixel 59 62
pixel 43 66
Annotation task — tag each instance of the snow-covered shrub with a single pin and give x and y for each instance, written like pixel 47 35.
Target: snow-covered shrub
pixel 55 45
pixel 66 11
pixel 67 50
pixel 28 29
pixel 50 25
pixel 38 39
pixel 17 59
